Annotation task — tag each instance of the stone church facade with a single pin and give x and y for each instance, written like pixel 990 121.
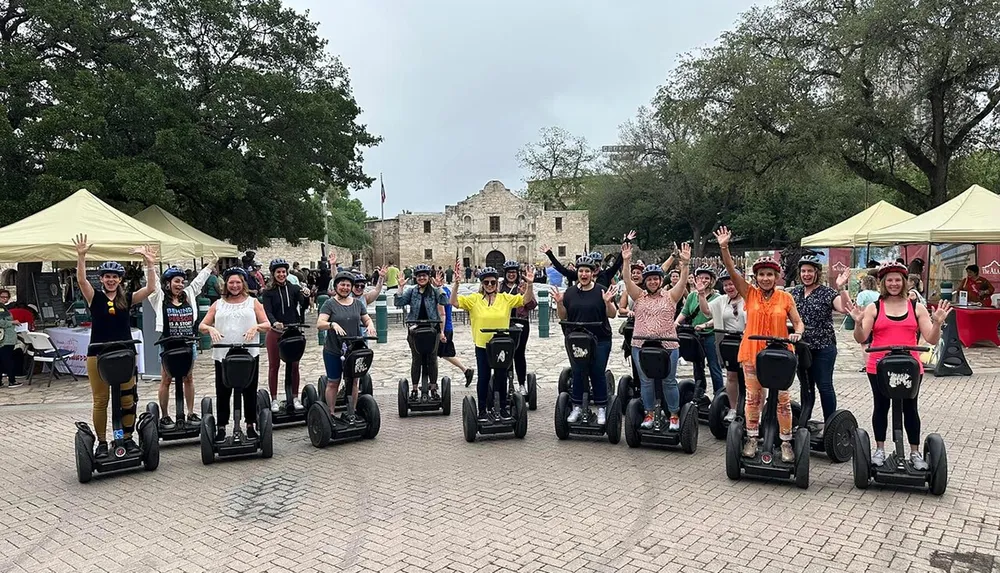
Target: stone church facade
pixel 487 228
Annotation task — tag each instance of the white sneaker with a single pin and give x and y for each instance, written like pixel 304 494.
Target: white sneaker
pixel 602 416
pixel 878 457
pixel 730 415
pixel 918 461
pixel 522 389
pixel 297 404
pixel 574 416
pixel 275 406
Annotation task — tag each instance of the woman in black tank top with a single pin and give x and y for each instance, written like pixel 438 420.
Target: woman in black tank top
pixel 109 309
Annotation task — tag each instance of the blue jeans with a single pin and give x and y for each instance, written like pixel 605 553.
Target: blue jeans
pixel 595 372
pixel 821 372
pixel 670 391
pixel 714 363
pixel 483 371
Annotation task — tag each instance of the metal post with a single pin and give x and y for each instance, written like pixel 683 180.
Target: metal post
pixel 205 340
pixel 543 313
pixel 382 319
pixel 320 301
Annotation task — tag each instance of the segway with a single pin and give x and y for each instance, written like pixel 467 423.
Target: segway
pixel 362 422
pixel 178 358
pixel 426 336
pixel 836 439
pixel 500 351
pixel 898 377
pixel 531 383
pixel 238 371
pixel 581 345
pixel 695 390
pixel 628 385
pixel 291 347
pixel 776 366
pixel 654 360
pixel 116 363
pixel 729 351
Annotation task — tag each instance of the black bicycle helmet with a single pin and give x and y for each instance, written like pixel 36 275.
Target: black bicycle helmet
pixel 277 264
pixel 488 272
pixel 422 268
pixel 343 276
pixel 511 266
pixel 171 273
pixel 810 260
pixel 705 271
pixel 235 271
pixel 586 261
pixel 111 267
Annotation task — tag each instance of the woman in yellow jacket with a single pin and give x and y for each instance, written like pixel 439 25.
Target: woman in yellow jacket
pixel 487 309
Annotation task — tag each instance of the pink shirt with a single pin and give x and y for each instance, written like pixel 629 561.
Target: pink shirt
pixel 895 331
pixel 654 316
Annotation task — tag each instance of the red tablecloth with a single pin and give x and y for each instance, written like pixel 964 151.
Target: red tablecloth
pixel 976 324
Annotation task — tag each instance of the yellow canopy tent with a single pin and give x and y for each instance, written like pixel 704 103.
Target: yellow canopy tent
pixel 853 231
pixel 968 218
pixel 48 234
pixel 161 220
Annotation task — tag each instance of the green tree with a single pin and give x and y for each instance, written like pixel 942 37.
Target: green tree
pixel 559 166
pixel 346 223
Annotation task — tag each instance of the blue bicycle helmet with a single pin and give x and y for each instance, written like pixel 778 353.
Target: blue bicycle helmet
pixel 111 267
pixel 171 273
pixel 235 271
pixel 597 256
pixel 359 279
pixel 488 272
pixel 810 260
pixel 422 268
pixel 652 270
pixel 511 266
pixel 586 261
pixel 277 264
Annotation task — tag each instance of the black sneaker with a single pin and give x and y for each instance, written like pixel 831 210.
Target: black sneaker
pixel 414 396
pixel 194 418
pixel 434 393
pixel 251 433
pixel 483 417
pixel 220 435
pixel 505 414
pixel 131 448
pixel 167 423
pixel 102 450
pixel 468 377
pixel 14 384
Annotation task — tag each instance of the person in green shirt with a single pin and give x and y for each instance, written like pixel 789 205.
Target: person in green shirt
pixel 696 311
pixel 391 276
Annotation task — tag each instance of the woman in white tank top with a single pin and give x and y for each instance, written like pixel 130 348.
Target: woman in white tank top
pixel 236 317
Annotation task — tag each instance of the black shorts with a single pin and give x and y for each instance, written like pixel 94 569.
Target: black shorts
pixel 446 349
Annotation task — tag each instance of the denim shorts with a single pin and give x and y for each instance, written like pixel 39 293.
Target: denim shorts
pixel 334 366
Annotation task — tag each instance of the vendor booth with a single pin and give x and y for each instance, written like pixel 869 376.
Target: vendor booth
pixel 853 232
pixel 205 244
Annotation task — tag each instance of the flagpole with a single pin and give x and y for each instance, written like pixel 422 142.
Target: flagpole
pixel 381 231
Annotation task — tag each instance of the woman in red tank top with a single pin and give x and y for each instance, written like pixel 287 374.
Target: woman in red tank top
pixel 894 320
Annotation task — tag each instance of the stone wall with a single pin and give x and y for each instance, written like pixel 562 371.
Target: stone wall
pixel 307 253
pixel 385 234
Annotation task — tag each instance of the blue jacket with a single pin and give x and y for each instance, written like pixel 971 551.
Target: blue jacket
pixel 412 297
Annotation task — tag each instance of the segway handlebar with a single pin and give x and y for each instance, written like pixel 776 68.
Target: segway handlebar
pixel 579 324
pixel 353 338
pixel 423 322
pixel 898 349
pixel 514 328
pixel 98 346
pixel 657 338
pixel 687 328
pixel 167 339
pixel 774 339
pixel 239 345
pixel 730 332
pixel 300 325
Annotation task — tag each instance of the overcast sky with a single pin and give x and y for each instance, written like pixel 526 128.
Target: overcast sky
pixel 457 87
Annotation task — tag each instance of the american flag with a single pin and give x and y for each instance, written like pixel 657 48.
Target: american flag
pixel 383 187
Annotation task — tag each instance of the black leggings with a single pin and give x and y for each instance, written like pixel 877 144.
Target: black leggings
pixel 417 363
pixel 224 396
pixel 880 416
pixel 7 366
pixel 520 362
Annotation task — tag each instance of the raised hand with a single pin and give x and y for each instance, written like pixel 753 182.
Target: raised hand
pixel 557 294
pixel 332 259
pixel 685 253
pixel 723 235
pixel 382 271
pixel 843 279
pixel 80 242
pixel 631 235
pixel 609 294
pixel 544 249
pixel 941 312
pixel 147 252
pixel 856 312
pixel 626 251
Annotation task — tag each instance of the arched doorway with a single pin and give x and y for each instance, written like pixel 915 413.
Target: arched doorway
pixel 495 259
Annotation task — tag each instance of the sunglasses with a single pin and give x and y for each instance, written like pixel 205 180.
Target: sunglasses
pixel 735 307
pixel 111 307
pixel 489 283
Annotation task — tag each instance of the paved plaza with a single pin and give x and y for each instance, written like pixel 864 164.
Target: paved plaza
pixel 419 498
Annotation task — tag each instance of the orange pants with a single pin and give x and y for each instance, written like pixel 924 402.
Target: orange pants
pixel 753 401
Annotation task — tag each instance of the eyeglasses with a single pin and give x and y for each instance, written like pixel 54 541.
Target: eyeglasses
pixel 111 307
pixel 489 283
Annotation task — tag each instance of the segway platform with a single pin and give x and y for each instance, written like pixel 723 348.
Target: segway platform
pixel 426 337
pixel 581 346
pixel 238 369
pixel 291 347
pixel 694 390
pixel 729 350
pixel 178 358
pixel 361 422
pixel 654 360
pixel 500 351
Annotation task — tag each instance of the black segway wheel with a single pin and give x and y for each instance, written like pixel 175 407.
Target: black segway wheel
pixel 446 396
pixel 532 391
pixel 309 396
pixel 206 406
pixel 633 421
pixel 320 426
pixel 624 393
pixel 366 385
pixel 686 390
pixel 207 438
pixel 520 413
pixel 153 409
pixel 937 462
pixel 321 388
pixel 266 426
pixel 862 459
pixel 717 415
pixel 403 398
pixel 84 459
pixel 609 377
pixel 564 380
pixel 470 426
pixel 562 412
pixel 149 442
pixel 837 436
pixel 613 423
pixel 264 401
pixel 689 428
pixel 801 449
pixel 368 409
pixel 734 445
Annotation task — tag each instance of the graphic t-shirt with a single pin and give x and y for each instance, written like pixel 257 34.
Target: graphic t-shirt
pixel 178 320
